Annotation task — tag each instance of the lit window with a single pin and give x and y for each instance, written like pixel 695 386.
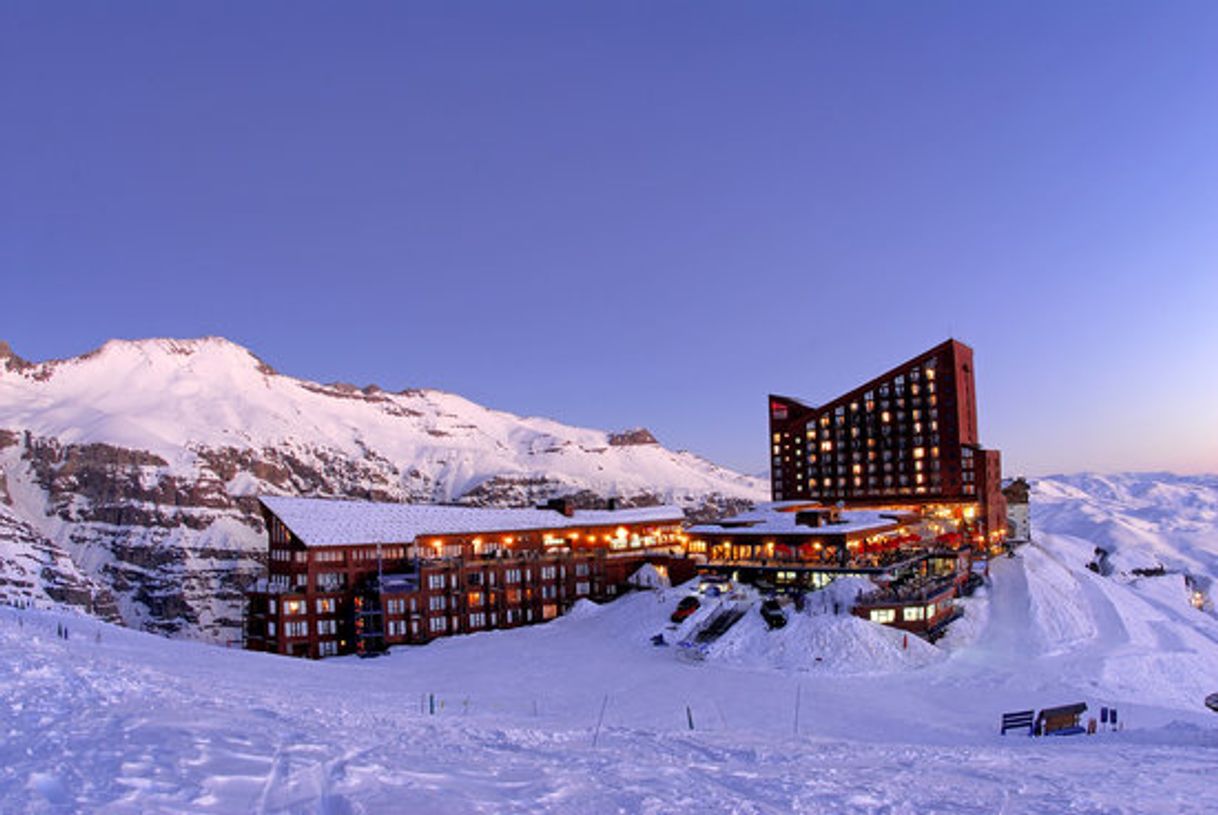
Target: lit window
pixel 883 615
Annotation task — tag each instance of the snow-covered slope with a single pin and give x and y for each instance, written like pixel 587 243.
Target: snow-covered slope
pixel 584 714
pixel 1132 616
pixel 141 460
pixel 1143 519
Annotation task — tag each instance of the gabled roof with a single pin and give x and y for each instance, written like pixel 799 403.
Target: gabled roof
pixel 333 522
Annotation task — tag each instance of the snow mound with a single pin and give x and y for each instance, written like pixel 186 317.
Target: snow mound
pixel 839 644
pixel 649 577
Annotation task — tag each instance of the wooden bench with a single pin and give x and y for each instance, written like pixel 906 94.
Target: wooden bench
pixel 1018 719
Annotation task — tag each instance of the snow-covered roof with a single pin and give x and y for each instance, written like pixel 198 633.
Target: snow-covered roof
pixel 769 519
pixel 333 522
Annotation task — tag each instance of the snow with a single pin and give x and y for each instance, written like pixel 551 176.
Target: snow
pixel 330 522
pixel 117 721
pixel 174 397
pixel 766 519
pixel 877 724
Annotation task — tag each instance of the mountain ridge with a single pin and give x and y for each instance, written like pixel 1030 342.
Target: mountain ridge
pixel 141 460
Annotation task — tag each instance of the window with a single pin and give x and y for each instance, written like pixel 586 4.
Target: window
pixel 474 599
pixel 435 581
pixel 325 605
pixel 883 615
pixel 293 606
pixel 437 624
pixel 327 627
pixel 913 613
pixel 512 576
pixel 581 569
pixel 329 581
pixel 583 587
pixel 477 620
pixel 328 648
pixel 296 629
pixel 271 629
pixel 549 611
pixel 437 603
pixel 548 572
pixel 513 596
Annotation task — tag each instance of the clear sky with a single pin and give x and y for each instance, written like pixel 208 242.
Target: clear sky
pixel 647 213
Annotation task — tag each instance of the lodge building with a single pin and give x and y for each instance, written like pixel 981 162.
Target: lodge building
pixel 356 577
pixel 907 438
pixel 888 481
pixel 917 563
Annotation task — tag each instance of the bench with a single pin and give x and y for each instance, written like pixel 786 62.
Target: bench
pixel 1018 719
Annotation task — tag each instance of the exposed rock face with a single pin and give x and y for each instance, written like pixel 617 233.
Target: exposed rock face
pixel 129 476
pixel 36 571
pixel 11 361
pixel 639 435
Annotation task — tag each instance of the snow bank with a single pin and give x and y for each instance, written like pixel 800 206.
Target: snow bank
pixel 833 644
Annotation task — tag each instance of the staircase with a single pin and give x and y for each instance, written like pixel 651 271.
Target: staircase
pixel 695 646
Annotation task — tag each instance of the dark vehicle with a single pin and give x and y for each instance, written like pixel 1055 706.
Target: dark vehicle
pixel 1211 702
pixel 685 608
pixel 773 614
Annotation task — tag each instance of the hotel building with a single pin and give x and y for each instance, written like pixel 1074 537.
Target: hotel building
pixel 355 576
pixel 905 439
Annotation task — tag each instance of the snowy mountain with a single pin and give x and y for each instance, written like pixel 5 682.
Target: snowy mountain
pixel 584 714
pixel 1144 519
pixel 130 473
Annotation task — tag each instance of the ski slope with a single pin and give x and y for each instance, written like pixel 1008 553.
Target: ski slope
pixel 828 714
pixel 135 723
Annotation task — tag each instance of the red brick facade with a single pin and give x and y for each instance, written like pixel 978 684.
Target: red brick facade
pixel 908 437
pixel 320 601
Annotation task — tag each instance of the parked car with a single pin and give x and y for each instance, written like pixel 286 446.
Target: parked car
pixel 685 608
pixel 714 585
pixel 772 613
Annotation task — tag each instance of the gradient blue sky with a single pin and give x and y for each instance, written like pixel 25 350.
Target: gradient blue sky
pixel 639 213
